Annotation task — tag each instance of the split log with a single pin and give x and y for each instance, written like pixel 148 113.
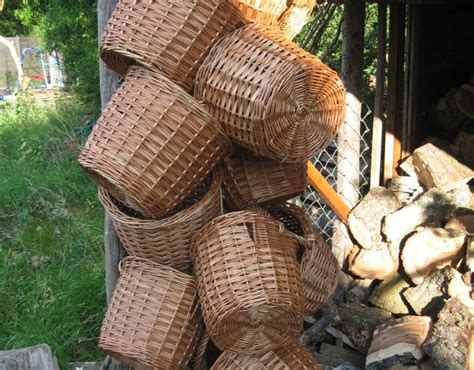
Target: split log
pixel 388 295
pixel 454 110
pixel 334 356
pixel 405 188
pixel 428 298
pixel 315 334
pixel 373 264
pixel 436 168
pixel 399 342
pixel 470 252
pixel 448 347
pixel 463 147
pixel 431 249
pixel 31 358
pixel 463 222
pixel 365 219
pixel 358 322
pixel 433 206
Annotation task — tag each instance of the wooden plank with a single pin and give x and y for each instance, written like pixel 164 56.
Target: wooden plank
pixel 377 125
pixel 325 190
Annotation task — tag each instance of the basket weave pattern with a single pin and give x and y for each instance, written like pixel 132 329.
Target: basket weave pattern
pixel 295 16
pixel 293 357
pixel 250 181
pixel 318 266
pixel 262 11
pixel 170 36
pixel 153 318
pixel 273 97
pixel 153 144
pixel 168 240
pixel 249 283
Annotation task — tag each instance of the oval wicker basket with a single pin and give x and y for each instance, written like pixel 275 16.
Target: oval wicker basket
pixel 249 283
pixel 153 144
pixel 318 266
pixel 250 180
pixel 262 11
pixel 167 240
pixel 153 318
pixel 292 357
pixel 295 17
pixel 273 97
pixel 170 36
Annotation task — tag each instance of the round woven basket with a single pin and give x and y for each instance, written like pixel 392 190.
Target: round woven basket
pixel 262 11
pixel 295 17
pixel 273 97
pixel 167 240
pixel 292 357
pixel 170 36
pixel 153 318
pixel 318 266
pixel 250 180
pixel 153 144
pixel 249 283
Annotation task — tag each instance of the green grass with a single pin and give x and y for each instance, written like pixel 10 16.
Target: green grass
pixel 51 257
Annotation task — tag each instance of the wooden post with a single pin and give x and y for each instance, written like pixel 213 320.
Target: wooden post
pixel 109 82
pixel 348 142
pixel 377 126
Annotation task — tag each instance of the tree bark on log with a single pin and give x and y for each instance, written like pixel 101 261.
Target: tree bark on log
pixel 433 206
pixel 448 347
pixel 389 295
pixel 365 219
pixel 431 249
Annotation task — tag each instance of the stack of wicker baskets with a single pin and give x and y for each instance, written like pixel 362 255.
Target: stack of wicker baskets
pixel 166 162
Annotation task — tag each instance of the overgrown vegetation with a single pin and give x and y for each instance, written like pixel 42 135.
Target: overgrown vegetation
pixel 68 25
pixel 51 258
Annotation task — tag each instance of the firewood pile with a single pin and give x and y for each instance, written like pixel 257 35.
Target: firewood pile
pixel 195 156
pixel 405 299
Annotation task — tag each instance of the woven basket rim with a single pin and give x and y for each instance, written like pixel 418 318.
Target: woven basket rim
pixel 107 201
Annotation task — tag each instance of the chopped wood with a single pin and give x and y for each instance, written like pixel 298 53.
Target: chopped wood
pixel 358 323
pixel 459 289
pixel 399 342
pixel 448 347
pixel 314 334
pixel 365 219
pixel 338 356
pixel 360 291
pixel 343 285
pixel 31 358
pixel 464 222
pixel 431 249
pixel 470 252
pixel 455 109
pixel 405 188
pixel 436 168
pixel 373 263
pixel 388 295
pixel 428 298
pixel 463 147
pixel 433 206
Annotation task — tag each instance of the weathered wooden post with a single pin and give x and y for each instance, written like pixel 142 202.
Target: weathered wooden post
pixel 348 141
pixel 109 82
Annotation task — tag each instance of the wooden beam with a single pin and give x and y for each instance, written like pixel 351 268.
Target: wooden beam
pixel 327 193
pixel 377 125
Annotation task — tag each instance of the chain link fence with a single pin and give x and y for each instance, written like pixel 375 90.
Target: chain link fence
pixel 321 215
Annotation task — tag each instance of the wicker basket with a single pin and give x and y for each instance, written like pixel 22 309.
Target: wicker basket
pixel 250 181
pixel 153 319
pixel 249 283
pixel 168 240
pixel 318 266
pixel 170 36
pixel 295 17
pixel 262 11
pixel 292 357
pixel 153 144
pixel 273 97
